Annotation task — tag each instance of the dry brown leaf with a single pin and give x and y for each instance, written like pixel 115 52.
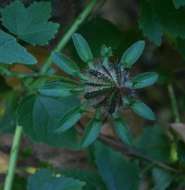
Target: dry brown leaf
pixel 41 53
pixel 3 163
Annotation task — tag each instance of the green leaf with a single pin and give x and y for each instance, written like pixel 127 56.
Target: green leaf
pixel 90 177
pixel 106 52
pixel 82 48
pixel 117 172
pixel 66 64
pixel 122 130
pixel 178 3
pixel 144 80
pixel 21 183
pixel 132 54
pixel 180 46
pixel 57 89
pixel 181 153
pixel 143 110
pixel 55 92
pixel 92 131
pixel 41 116
pixel 154 143
pixel 30 24
pixel 8 109
pixel 165 17
pixel 162 179
pixel 149 24
pixel 46 180
pixel 12 52
pixel 70 119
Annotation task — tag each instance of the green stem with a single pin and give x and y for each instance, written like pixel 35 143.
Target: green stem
pixel 174 103
pixel 174 154
pixel 13 158
pixel 68 34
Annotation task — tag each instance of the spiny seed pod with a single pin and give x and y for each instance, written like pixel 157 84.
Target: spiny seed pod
pixel 106 86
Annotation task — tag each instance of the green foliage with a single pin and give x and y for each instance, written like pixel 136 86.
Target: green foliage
pixel 92 131
pixel 144 80
pixel 154 143
pixel 143 110
pixel 109 34
pixel 58 89
pixel 161 178
pixel 132 54
pixel 21 183
pixel 180 45
pixel 46 180
pixel 66 64
pixel 91 178
pixel 30 24
pixel 103 81
pixel 178 3
pixel 82 48
pixel 8 118
pixel 181 153
pixel 70 118
pixel 149 23
pixel 12 52
pixel 117 172
pixel 106 51
pixel 41 117
pixel 122 130
pixel 161 17
pixel 99 83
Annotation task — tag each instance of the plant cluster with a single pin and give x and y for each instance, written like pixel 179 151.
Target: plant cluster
pixel 70 101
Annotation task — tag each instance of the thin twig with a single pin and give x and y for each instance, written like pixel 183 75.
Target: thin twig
pixel 127 150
